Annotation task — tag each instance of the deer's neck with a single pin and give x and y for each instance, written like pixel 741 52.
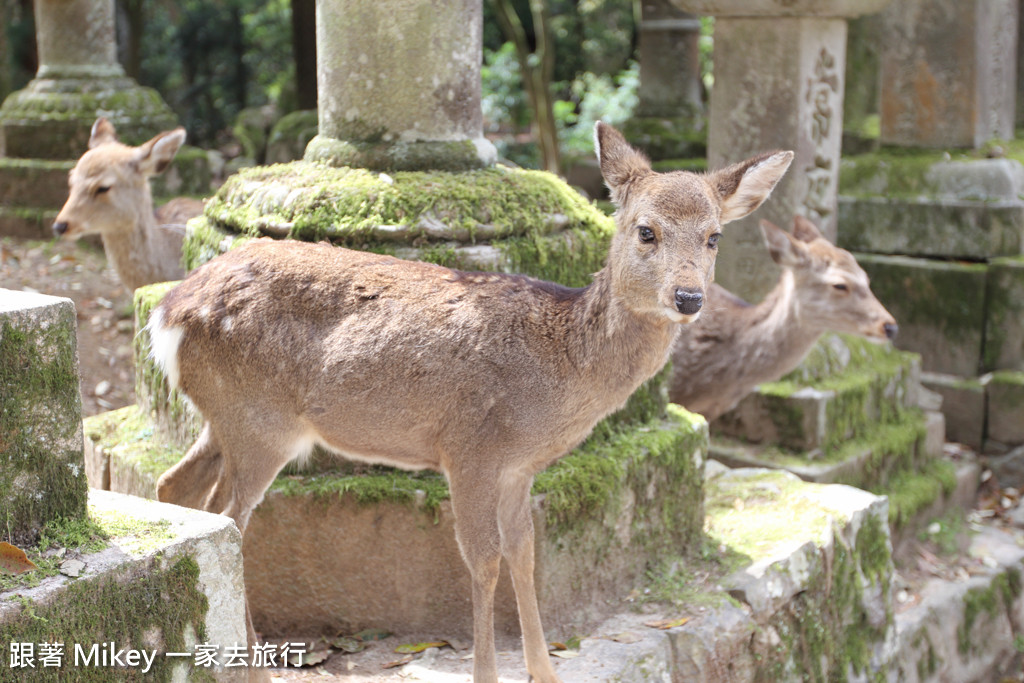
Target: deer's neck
pixel 138 249
pixel 778 334
pixel 616 349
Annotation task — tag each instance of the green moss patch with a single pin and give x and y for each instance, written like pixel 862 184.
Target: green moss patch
pixel 42 474
pixel 157 606
pixel 127 434
pixel 911 491
pixel 58 539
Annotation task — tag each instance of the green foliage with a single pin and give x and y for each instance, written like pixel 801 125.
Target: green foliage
pixel 503 101
pixel 595 97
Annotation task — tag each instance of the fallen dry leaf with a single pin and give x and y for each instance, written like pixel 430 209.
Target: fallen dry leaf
pixel 399 662
pixel 14 560
pixel 565 654
pixel 414 648
pixel 627 637
pixel 304 659
pixel 557 646
pixel 665 624
pixel 348 644
pixel 368 634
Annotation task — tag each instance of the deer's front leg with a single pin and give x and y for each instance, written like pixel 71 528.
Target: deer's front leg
pixel 476 529
pixel 515 524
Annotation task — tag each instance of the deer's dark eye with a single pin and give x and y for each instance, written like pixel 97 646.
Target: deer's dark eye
pixel 103 189
pixel 646 234
pixel 713 240
pixel 840 287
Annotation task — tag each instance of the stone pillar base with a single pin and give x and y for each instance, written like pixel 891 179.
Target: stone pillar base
pixel 51 117
pixel 419 155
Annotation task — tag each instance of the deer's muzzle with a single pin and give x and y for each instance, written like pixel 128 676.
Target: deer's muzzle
pixel 689 300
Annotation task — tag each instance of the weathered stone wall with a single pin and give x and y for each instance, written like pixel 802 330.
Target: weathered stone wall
pixel 42 472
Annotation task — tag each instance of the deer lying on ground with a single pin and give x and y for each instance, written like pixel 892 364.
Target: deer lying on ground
pixel 110 196
pixel 488 378
pixel 736 346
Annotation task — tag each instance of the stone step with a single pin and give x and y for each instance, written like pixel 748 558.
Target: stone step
pixel 355 544
pixel 34 182
pixel 30 222
pixel 167 580
pixel 982 412
pixel 845 387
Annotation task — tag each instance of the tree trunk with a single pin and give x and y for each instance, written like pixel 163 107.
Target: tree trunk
pixel 304 48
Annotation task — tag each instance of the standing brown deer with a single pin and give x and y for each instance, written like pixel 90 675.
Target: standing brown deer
pixel 488 378
pixel 110 196
pixel 735 346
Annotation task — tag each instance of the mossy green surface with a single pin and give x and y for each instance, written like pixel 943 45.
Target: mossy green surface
pixel 157 606
pixel 74 535
pixel 991 600
pixel 1004 315
pixel 912 490
pixel 42 473
pixel 128 434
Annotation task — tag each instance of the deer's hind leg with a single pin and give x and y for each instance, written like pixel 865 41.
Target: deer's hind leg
pixel 189 482
pixel 515 523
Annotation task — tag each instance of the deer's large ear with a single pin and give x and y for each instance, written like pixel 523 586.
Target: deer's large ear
pixel 783 247
pixel 744 186
pixel 621 165
pixel 804 230
pixel 102 133
pixel 156 155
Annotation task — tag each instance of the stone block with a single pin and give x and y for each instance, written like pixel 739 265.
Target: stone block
pixel 1004 315
pixel 844 387
pixel 190 174
pixel 42 471
pixel 944 228
pixel 870 460
pixel 963 406
pixel 948 71
pixel 358 542
pixel 167 579
pixel 964 630
pixel 939 305
pixel 289 136
pixel 34 182
pixel 1004 393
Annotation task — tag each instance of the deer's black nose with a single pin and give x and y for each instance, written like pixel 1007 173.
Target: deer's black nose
pixel 891 330
pixel 688 300
pixel 60 228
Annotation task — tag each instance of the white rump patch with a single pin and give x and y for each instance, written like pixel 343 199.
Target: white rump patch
pixel 163 345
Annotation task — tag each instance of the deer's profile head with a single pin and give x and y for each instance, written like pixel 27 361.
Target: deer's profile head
pixel 831 288
pixel 109 186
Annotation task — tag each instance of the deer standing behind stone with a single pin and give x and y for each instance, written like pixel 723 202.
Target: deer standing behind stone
pixel 736 346
pixel 110 196
pixel 488 378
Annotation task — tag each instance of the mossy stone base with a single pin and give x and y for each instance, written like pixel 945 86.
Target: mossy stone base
pixel 845 387
pixel 402 155
pixel 34 182
pixel 52 118
pixel 27 221
pixel 940 307
pixel 602 514
pixel 42 471
pixel 291 135
pixel 165 579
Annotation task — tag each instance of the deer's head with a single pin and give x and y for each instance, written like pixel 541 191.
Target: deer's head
pixel 831 288
pixel 663 254
pixel 109 186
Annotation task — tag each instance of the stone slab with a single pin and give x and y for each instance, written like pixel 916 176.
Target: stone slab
pixel 147 540
pixel 1004 315
pixel 964 631
pixel 942 228
pixel 1004 394
pixel 32 182
pixel 42 472
pixel 963 406
pixel 940 307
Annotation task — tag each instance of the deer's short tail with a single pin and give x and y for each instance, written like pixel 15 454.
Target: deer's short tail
pixel 163 345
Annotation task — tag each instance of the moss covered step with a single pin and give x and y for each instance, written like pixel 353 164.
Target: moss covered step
pixel 31 222
pixel 1004 315
pixel 845 387
pixel 375 547
pixel 34 182
pixel 803 593
pixel 151 577
pixel 42 472
pixel 1004 396
pixel 869 459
